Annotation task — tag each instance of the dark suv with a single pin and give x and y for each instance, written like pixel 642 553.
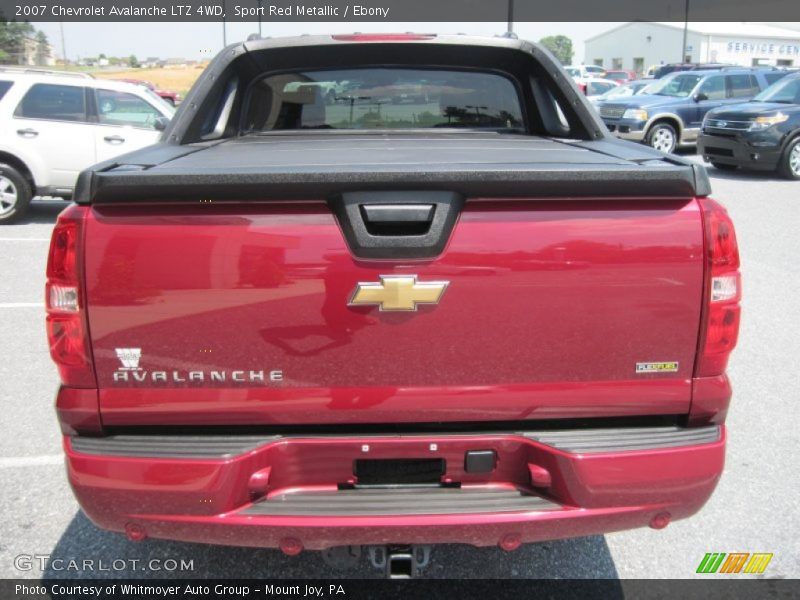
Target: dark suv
pixel 763 134
pixel 671 113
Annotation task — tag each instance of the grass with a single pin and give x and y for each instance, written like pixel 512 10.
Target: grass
pixel 177 80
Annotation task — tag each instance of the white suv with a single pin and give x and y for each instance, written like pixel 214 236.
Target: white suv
pixel 53 125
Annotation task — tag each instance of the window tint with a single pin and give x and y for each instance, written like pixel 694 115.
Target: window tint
pixel 742 86
pixel 4 87
pixel 54 102
pixel 678 86
pixel 773 77
pixel 785 92
pixel 121 108
pixel 713 87
pixel 594 88
pixel 383 98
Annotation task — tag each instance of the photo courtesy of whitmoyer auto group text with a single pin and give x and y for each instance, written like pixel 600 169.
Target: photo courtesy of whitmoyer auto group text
pixel 399 299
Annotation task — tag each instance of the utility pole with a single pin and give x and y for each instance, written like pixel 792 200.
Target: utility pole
pixel 224 32
pixel 260 8
pixel 685 31
pixel 63 44
pixel 511 16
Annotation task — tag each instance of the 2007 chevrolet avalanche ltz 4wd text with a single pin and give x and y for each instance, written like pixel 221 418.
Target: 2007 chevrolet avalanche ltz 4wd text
pixel 441 304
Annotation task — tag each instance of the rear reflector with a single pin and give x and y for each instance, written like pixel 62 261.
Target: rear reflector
pixel 721 310
pixel 62 298
pixel 66 317
pixel 383 37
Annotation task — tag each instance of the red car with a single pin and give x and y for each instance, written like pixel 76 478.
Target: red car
pixel 621 76
pixel 171 97
pixel 367 324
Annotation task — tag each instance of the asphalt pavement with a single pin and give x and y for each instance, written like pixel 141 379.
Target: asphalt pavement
pixel 754 509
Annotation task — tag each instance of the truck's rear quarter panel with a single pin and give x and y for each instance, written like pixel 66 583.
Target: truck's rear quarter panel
pixel 550 306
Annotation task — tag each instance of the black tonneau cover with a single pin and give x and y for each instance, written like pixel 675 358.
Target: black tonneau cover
pixel 308 165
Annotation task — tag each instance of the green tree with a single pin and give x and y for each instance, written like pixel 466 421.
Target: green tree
pixel 560 46
pixel 12 40
pixel 42 48
pixel 133 62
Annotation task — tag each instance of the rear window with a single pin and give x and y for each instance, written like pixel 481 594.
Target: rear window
pixel 4 87
pixel 53 102
pixel 773 77
pixel 383 98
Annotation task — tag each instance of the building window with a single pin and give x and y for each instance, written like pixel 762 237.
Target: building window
pixel 785 62
pixel 616 63
pixel 638 65
pixel 598 62
pixel 760 62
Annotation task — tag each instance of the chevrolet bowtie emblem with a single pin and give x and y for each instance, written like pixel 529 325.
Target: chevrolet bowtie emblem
pixel 398 292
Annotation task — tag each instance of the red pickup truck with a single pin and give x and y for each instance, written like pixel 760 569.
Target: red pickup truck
pixel 472 317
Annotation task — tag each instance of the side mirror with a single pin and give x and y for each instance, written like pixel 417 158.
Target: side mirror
pixel 160 124
pixel 700 96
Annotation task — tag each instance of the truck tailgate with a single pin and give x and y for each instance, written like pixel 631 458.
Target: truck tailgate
pixel 238 313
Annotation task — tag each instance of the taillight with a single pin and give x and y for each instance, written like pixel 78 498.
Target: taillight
pixel 720 325
pixel 66 315
pixel 383 37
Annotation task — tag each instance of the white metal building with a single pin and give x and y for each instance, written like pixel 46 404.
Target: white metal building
pixel 639 45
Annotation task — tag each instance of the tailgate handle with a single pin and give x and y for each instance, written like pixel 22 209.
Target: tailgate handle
pixel 397 219
pixel 397 213
pixel 397 224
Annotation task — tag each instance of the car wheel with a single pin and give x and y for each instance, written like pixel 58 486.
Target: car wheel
pixel 662 137
pixel 15 194
pixel 790 161
pixel 724 167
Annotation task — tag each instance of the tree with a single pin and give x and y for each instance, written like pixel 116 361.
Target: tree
pixel 133 62
pixel 12 40
pixel 42 48
pixel 560 46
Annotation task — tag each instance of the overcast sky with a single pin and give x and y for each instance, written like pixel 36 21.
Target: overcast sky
pixel 204 40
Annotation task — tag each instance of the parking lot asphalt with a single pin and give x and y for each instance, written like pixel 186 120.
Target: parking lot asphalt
pixel 754 508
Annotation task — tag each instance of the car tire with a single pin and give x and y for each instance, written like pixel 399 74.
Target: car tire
pixel 663 137
pixel 724 167
pixel 789 166
pixel 15 194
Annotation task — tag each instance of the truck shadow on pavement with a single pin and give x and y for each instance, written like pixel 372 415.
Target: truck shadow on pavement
pixel 579 558
pixel 43 211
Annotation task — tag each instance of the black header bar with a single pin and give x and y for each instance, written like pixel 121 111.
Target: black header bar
pixel 355 11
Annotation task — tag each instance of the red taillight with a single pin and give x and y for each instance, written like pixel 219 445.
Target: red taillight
pixel 383 37
pixel 720 328
pixel 66 317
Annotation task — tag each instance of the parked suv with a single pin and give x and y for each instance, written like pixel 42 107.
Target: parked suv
pixel 763 134
pixel 55 124
pixel 671 112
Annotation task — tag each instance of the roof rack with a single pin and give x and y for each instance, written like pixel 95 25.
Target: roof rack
pixel 751 68
pixel 35 71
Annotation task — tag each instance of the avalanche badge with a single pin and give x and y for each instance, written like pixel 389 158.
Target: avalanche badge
pixel 398 292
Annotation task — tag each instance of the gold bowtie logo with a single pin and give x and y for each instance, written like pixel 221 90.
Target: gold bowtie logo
pixel 398 292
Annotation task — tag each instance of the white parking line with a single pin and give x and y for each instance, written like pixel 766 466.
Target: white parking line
pixel 13 239
pixel 31 461
pixel 21 304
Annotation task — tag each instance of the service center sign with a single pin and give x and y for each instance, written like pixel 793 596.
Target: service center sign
pixel 763 48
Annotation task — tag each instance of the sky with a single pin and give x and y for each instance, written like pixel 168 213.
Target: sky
pixel 204 40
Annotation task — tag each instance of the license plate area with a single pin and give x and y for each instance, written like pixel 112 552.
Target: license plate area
pixel 399 471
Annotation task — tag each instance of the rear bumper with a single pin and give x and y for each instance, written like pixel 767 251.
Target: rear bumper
pixel 251 492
